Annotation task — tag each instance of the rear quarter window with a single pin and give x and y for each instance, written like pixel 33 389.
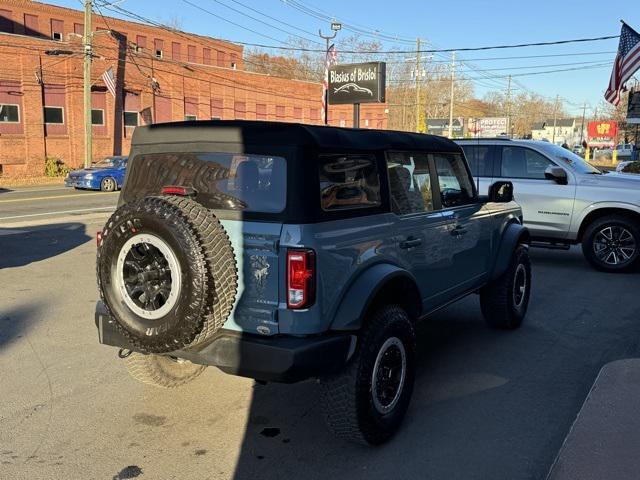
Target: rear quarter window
pixel 348 182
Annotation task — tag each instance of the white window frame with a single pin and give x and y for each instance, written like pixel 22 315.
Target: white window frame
pixel 53 106
pixel 159 54
pixel 53 36
pixel 137 119
pixel 98 124
pixel 12 105
pixel 189 118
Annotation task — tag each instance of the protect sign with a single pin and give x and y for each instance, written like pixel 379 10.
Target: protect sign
pixel 357 83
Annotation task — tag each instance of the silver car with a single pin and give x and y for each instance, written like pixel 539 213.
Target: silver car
pixel 565 201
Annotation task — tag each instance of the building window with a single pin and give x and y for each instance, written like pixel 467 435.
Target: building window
pixel 141 43
pixel 261 111
pixel 240 110
pixel 234 60
pixel 158 46
pixel 175 51
pixel 206 56
pixel 297 114
pixel 220 58
pixel 78 28
pixel 6 21
pixel 280 112
pixel 54 115
pixel 130 119
pixel 216 108
pixel 189 118
pixel 57 29
pixel 31 25
pixel 9 113
pixel 191 54
pixel 97 117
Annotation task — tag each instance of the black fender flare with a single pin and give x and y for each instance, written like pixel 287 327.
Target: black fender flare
pixel 513 235
pixel 363 291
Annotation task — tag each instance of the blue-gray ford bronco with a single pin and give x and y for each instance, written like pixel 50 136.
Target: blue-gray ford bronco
pixel 283 252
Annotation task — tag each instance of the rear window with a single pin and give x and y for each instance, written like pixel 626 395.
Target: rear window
pixel 349 181
pixel 244 182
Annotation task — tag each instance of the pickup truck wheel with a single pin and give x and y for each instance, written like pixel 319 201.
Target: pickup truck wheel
pixel 504 301
pixel 367 401
pixel 612 244
pixel 161 371
pixel 166 273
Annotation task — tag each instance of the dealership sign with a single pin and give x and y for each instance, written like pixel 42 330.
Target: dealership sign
pixel 602 134
pixel 357 83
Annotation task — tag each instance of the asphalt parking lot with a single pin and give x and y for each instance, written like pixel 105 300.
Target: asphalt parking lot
pixel 487 404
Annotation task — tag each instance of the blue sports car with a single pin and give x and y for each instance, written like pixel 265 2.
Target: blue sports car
pixel 106 175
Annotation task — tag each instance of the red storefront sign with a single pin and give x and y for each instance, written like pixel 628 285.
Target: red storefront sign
pixel 603 130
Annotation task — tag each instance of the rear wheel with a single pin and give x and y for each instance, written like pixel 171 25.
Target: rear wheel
pixel 108 184
pixel 612 244
pixel 162 371
pixel 368 400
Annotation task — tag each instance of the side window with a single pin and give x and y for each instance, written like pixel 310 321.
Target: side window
pixel 479 158
pixel 455 185
pixel 348 181
pixel 409 183
pixel 521 162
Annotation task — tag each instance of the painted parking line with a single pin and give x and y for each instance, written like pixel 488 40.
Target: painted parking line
pixel 54 197
pixel 97 209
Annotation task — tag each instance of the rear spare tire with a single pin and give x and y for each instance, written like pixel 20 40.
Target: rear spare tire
pixel 166 273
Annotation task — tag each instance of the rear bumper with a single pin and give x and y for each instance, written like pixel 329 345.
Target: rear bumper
pixel 273 359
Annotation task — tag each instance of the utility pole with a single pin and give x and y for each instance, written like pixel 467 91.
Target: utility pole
pixel 417 85
pixel 509 107
pixel 453 81
pixel 584 111
pixel 555 118
pixel 335 26
pixel 88 147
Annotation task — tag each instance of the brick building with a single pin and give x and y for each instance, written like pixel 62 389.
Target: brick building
pixel 161 76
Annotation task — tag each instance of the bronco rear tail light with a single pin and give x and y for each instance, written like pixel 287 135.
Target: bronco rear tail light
pixel 177 190
pixel 301 278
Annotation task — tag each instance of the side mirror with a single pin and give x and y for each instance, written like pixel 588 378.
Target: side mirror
pixel 501 192
pixel 559 175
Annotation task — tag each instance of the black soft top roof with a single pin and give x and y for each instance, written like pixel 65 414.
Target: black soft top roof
pixel 279 133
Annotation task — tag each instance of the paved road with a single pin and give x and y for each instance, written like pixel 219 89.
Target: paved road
pixel 42 203
pixel 487 404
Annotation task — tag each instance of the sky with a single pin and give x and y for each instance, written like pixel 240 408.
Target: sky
pixel 444 24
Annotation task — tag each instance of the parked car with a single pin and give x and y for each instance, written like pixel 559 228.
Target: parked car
pixel 106 175
pixel 621 166
pixel 625 151
pixel 282 252
pixel 578 149
pixel 565 200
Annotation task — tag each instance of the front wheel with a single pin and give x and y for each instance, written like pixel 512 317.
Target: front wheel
pixel 108 184
pixel 368 400
pixel 612 244
pixel 162 371
pixel 504 301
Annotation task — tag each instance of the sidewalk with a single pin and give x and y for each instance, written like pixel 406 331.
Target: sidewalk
pixel 604 441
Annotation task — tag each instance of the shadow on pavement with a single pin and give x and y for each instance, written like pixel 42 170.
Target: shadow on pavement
pixel 15 322
pixel 5 190
pixel 486 403
pixel 22 246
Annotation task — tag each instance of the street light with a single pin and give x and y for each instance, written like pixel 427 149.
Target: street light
pixel 335 26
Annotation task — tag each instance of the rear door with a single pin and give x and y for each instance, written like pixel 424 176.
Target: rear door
pixel 547 206
pixel 470 223
pixel 420 229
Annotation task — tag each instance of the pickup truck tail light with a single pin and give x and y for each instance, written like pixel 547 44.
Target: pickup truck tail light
pixel 301 278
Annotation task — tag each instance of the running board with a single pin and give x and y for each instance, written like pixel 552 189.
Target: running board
pixel 551 245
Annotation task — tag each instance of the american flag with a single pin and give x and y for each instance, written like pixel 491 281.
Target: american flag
pixel 109 81
pixel 331 59
pixel 626 64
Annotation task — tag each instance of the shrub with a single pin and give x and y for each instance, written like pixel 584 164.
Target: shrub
pixel 55 167
pixel 633 167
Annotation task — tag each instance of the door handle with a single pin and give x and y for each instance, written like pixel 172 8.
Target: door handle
pixel 411 242
pixel 458 231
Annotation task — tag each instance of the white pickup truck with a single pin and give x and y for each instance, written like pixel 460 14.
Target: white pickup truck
pixel 565 200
